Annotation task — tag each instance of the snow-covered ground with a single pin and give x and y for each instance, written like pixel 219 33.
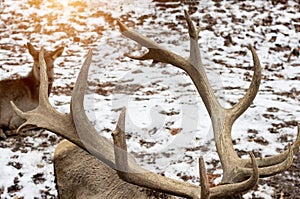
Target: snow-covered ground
pixel 167 125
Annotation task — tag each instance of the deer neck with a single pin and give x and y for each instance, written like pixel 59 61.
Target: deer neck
pixel 33 84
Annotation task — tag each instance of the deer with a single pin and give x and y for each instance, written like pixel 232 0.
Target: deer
pixel 24 91
pixel 88 165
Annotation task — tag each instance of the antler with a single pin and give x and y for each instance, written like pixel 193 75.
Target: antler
pixel 235 169
pixel 76 128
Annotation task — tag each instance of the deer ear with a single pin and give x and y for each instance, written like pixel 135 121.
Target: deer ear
pixel 34 53
pixel 57 53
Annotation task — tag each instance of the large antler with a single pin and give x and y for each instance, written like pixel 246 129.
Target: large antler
pixel 235 169
pixel 76 128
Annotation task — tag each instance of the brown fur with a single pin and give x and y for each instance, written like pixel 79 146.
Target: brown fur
pixel 80 175
pixel 24 92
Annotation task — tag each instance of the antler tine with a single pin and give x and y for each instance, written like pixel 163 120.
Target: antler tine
pixel 199 76
pixel 232 189
pixel 251 93
pixel 205 191
pixel 131 172
pixel 272 169
pixel 120 146
pixel 97 145
pixel 21 114
pixel 195 56
pixel 279 158
pixel 43 96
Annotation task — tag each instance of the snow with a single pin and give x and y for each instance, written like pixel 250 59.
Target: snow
pixel 158 97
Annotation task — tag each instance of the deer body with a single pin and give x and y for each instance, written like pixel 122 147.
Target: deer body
pixel 85 180
pixel 23 91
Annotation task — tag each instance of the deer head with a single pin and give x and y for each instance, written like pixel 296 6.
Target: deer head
pixel 49 59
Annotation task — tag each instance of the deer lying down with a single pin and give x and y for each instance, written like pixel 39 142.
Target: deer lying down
pixel 24 91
